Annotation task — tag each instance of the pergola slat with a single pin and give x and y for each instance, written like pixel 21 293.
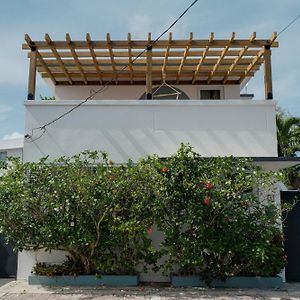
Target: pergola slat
pixel 130 57
pixel 40 59
pixel 140 74
pixel 171 62
pixel 241 54
pixel 203 57
pixel 92 52
pixel 139 44
pixel 142 82
pixel 158 54
pixel 185 54
pixel 185 69
pixel 53 49
pixel 216 66
pixel 167 53
pixel 111 54
pixel 77 62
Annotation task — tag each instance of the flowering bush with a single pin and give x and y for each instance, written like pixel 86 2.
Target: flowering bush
pixel 214 223
pixel 98 212
pixel 209 210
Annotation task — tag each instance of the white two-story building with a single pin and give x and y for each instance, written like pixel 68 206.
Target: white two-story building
pixel 132 98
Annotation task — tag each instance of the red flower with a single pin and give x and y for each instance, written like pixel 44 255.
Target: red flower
pixel 164 169
pixel 206 201
pixel 149 231
pixel 209 185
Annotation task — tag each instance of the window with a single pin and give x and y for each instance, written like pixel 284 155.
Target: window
pixel 210 94
pixel 3 155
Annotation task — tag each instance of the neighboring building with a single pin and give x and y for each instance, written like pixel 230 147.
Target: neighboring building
pixel 201 80
pixel 11 147
pixel 8 259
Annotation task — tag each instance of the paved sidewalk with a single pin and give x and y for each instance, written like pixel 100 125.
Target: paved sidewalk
pixel 20 290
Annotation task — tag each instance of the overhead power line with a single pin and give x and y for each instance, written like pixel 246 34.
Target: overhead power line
pixel 42 129
pixel 288 26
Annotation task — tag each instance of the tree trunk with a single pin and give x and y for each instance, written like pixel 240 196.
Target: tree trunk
pixel 87 265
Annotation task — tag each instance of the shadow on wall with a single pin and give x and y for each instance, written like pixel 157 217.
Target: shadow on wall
pixel 124 144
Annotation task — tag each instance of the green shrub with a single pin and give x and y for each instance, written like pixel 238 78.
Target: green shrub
pixel 209 210
pixel 214 223
pixel 85 205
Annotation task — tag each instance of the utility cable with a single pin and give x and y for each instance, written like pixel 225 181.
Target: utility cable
pixel 289 25
pixel 29 137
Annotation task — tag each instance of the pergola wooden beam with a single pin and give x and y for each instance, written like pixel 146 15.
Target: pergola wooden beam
pixel 203 57
pixel 111 54
pixel 215 68
pixel 53 49
pixel 167 53
pixel 157 62
pixel 138 44
pixel 260 54
pixel 39 58
pixel 252 64
pixel 94 57
pixel 229 61
pixel 185 54
pixel 156 54
pixel 236 61
pixel 130 57
pixel 172 75
pixel 77 62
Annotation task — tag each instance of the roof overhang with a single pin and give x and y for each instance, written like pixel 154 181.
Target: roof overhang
pixel 276 163
pixel 190 61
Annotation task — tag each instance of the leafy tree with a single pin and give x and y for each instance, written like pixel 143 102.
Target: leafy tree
pixel 288 139
pixel 288 134
pixel 98 212
pixel 213 221
pixel 214 224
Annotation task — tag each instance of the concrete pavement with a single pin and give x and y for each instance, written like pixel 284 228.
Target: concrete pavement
pixel 20 290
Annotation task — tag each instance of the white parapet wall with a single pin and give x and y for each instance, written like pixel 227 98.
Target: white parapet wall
pixel 135 128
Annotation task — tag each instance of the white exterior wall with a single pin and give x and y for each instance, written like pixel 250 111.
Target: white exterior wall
pixel 132 129
pixel 135 92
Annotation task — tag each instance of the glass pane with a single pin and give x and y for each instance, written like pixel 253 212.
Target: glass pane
pixel 210 94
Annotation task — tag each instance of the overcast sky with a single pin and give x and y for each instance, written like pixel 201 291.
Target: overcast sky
pixel 57 17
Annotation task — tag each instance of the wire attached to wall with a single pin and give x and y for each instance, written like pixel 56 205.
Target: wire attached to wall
pixel 42 129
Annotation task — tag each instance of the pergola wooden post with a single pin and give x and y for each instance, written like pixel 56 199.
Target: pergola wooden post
pixel 268 73
pixel 149 70
pixel 32 74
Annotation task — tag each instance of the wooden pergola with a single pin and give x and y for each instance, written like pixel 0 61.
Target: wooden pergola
pixel 188 62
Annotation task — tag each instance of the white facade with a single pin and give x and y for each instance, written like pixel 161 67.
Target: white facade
pixel 132 128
